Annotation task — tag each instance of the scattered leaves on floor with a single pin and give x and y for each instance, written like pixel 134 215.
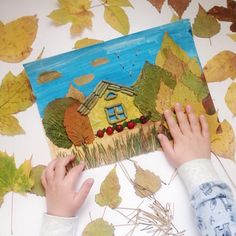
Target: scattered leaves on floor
pixel 221 67
pixel 232 36
pixel 179 6
pixel 12 178
pixel 109 191
pixel 204 25
pixel 146 183
pixel 17 37
pixel 75 93
pixel 48 76
pixel 15 96
pixel 230 98
pixel 76 12
pixel 223 144
pixel 157 4
pixel 99 227
pixel 82 43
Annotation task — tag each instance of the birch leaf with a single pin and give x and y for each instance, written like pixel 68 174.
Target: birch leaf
pixel 221 67
pixel 179 6
pixel 232 36
pixel 118 3
pixel 17 37
pixel 76 12
pixel 99 227
pixel 109 191
pixel 204 25
pixel 117 19
pixel 15 96
pixel 157 4
pixel 13 179
pixel 230 98
pixel 146 183
pixel 223 144
pixel 82 43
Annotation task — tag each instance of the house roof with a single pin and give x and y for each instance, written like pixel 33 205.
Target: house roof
pixel 99 91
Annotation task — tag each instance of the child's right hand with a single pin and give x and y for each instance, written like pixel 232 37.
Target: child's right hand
pixel 191 137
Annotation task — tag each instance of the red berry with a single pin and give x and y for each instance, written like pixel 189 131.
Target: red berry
pixel 143 119
pixel 100 133
pixel 109 130
pixel 119 128
pixel 131 124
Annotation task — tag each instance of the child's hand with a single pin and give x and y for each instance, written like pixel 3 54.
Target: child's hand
pixel 62 199
pixel 191 137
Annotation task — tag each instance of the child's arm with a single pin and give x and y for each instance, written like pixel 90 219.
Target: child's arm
pixel 63 202
pixel 211 198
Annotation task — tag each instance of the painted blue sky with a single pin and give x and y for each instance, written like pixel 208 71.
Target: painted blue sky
pixel 126 56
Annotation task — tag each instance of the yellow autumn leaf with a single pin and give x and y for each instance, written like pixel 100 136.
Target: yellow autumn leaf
pixel 221 67
pixel 232 36
pixel 146 183
pixel 118 3
pixel 109 191
pixel 74 11
pixel 213 123
pixel 15 96
pixel 117 19
pixel 82 43
pixel 223 144
pixel 163 98
pixel 17 37
pixel 230 98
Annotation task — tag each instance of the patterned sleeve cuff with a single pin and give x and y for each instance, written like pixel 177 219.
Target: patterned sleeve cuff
pixel 58 226
pixel 196 172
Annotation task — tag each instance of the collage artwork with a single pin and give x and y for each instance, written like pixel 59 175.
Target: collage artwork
pixel 105 103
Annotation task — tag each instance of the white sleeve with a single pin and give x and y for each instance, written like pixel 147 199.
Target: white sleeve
pixel 58 226
pixel 196 172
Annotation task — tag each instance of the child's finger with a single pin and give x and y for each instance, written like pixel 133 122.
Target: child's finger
pixel 166 145
pixel 193 120
pixel 182 119
pixel 173 126
pixel 74 174
pixel 43 179
pixel 60 170
pixel 49 172
pixel 204 126
pixel 83 192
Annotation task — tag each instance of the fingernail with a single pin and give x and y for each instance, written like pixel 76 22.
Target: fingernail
pixel 159 136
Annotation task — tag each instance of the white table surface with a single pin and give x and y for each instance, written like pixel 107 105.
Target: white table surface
pixel 28 210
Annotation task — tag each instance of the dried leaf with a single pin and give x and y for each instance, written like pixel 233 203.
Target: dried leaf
pixel 15 96
pixel 223 13
pixel 233 27
pixel 109 191
pixel 117 19
pixel 213 123
pixel 76 12
pixel 84 79
pixel 53 121
pixel 99 61
pixel 13 179
pixel 179 6
pixel 99 227
pixel 47 76
pixel 75 93
pixel 17 37
pixel 157 4
pixel 204 25
pixel 222 66
pixel 35 175
pixel 118 3
pixel 146 183
pixel 232 36
pixel 78 127
pixel 223 144
pixel 230 98
pixel 82 43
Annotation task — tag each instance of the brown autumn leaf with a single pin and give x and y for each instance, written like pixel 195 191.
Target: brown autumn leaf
pixel 233 27
pixel 179 6
pixel 146 183
pixel 16 38
pixel 221 67
pixel 230 98
pixel 78 127
pixel 75 93
pixel 157 4
pixel 223 13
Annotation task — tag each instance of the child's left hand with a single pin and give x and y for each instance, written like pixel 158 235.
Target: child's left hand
pixel 62 199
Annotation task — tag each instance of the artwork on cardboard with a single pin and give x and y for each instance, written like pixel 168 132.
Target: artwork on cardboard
pixel 105 103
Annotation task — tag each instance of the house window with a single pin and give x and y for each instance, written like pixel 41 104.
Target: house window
pixel 110 96
pixel 115 113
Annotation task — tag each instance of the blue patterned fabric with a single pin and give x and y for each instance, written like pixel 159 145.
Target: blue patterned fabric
pixel 215 209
